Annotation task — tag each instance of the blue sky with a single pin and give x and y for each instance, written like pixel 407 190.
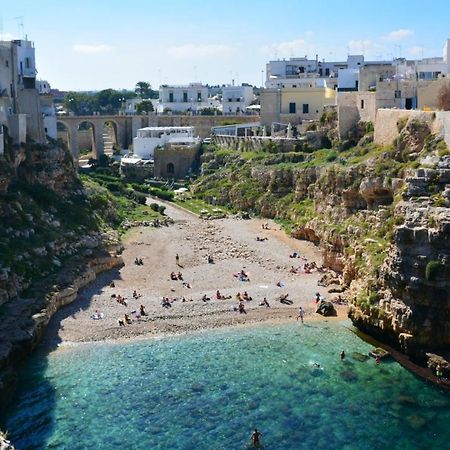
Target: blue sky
pixel 97 44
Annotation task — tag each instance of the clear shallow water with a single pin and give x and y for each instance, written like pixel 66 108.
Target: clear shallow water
pixel 209 391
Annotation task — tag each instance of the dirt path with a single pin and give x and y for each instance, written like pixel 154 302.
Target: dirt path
pixel 232 244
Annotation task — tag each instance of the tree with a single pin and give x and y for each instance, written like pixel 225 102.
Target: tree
pixel 144 90
pixel 145 107
pixel 80 103
pixel 444 97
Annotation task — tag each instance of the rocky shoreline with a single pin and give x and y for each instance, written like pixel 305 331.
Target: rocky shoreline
pixel 28 319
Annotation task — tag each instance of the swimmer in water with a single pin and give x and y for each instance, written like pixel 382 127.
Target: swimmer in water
pixel 256 435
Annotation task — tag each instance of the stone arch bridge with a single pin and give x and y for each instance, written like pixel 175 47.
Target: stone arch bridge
pixel 122 127
pixel 125 127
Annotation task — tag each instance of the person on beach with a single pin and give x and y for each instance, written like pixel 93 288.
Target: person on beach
pixel 142 310
pixel 439 372
pixel 256 438
pixel 177 259
pixel 301 314
pixel 317 297
pixel 342 354
pixel 127 319
pixel 264 303
pixel 242 308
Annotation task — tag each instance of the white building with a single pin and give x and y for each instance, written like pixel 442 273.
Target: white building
pixel 21 108
pixel 149 138
pixel 355 74
pixel 190 98
pixel 43 87
pixel 236 98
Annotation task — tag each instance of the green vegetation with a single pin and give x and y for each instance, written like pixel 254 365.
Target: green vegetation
pixel 401 123
pixel 432 270
pixel 199 206
pixel 144 107
pixel 107 101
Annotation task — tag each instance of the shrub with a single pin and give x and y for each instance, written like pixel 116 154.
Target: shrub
pixel 332 156
pixel 438 200
pixel 432 270
pixel 139 197
pixel 401 123
pixel 369 127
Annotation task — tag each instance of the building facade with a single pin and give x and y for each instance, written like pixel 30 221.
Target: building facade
pixel 22 109
pixel 181 99
pixel 235 99
pixel 149 138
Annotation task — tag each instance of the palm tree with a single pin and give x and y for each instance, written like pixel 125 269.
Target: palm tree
pixel 143 89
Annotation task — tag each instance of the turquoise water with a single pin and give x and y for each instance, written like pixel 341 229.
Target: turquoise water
pixel 209 391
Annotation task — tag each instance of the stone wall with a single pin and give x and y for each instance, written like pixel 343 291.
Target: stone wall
pixel 386 129
pixel 348 117
pixel 313 139
pixel 176 161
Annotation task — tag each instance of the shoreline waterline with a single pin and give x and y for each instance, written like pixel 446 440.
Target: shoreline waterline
pixel 209 390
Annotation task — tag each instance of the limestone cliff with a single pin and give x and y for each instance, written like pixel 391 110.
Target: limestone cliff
pixel 54 238
pixel 380 214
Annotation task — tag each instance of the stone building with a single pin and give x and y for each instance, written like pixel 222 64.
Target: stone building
pixel 22 109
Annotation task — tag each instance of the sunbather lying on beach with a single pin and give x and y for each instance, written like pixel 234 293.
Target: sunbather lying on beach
pixel 284 299
pixel 97 316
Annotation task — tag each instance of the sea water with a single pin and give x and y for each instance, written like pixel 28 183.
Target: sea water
pixel 210 390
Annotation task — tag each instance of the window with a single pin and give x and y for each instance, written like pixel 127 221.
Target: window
pixel 171 97
pixel 185 97
pixel 230 100
pixel 398 94
pixel 170 168
pixel 27 63
pixel 362 104
pixel 292 108
pixel 327 72
pixel 294 85
pixel 199 96
pixel 305 108
pixel 6 63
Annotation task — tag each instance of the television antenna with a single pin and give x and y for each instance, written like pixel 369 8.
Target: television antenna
pixel 20 28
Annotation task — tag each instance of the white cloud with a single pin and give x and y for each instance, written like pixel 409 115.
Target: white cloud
pixel 189 51
pixel 296 47
pixel 92 49
pixel 398 35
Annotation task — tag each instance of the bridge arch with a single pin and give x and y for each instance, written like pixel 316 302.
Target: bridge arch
pixel 119 131
pixel 110 135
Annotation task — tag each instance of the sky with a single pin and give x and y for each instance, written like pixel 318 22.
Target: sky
pixel 99 44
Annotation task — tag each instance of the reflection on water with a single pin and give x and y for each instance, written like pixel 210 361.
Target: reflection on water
pixel 209 391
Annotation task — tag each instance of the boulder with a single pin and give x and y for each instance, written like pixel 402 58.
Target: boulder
pixel 326 309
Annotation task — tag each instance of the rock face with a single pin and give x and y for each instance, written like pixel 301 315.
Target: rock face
pixel 382 221
pixel 415 278
pixel 28 317
pixel 50 242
